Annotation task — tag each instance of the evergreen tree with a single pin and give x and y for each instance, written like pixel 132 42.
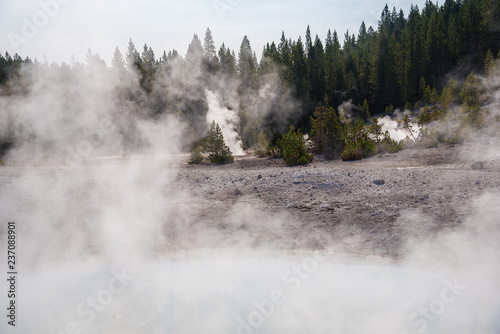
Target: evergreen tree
pixel 247 67
pixel 365 111
pixel 294 148
pixel 227 62
pixel 195 51
pixel 209 45
pixel 117 64
pixel 376 130
pixel 470 96
pixel 147 68
pixel 408 126
pixel 326 132
pixel 211 62
pixel 133 57
pixel 489 64
pixel 219 153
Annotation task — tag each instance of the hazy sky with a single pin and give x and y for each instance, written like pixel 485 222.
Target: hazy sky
pixel 59 29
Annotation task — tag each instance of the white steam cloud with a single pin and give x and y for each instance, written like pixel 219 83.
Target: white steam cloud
pixel 228 121
pixel 396 130
pixel 346 113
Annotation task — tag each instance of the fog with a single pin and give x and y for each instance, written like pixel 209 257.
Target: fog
pixel 105 235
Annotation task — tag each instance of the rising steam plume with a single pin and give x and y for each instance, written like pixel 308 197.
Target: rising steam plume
pixel 228 121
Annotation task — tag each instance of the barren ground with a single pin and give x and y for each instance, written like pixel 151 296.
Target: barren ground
pixel 260 203
pixel 334 203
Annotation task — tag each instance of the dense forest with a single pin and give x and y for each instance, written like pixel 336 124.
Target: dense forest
pixel 405 60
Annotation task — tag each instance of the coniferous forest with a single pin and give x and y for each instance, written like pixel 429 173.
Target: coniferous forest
pixel 406 62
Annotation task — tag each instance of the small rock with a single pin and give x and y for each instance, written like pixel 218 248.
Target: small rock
pixel 237 192
pixel 259 177
pixel 478 182
pixel 379 182
pixel 477 165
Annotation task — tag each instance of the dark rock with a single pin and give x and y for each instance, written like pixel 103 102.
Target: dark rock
pixel 477 165
pixel 259 177
pixel 379 182
pixel 237 192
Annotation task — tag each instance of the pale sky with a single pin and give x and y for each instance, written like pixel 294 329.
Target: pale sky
pixel 59 29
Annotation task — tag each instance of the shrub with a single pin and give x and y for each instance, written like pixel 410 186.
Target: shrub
pixel 428 139
pixel 196 156
pixel 293 147
pixel 390 145
pixel 260 149
pixel 219 153
pixel 471 104
pixel 351 152
pixel 274 151
pixel 358 143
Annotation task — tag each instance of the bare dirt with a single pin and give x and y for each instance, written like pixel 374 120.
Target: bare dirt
pixel 359 207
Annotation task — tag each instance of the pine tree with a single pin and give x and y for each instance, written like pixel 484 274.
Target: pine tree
pixel 376 130
pixel 209 45
pixel 210 60
pixel 294 148
pixel 219 153
pixel 227 61
pixel 408 126
pixel 117 63
pixel 471 105
pixel 247 67
pixel 299 69
pixel 133 57
pixel 195 51
pixel 489 64
pixel 365 110
pixel 147 68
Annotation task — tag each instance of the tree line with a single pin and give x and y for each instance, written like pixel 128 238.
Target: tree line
pixel 404 60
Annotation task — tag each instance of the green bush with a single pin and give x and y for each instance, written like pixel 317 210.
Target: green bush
pixel 274 151
pixel 260 149
pixel 293 147
pixel 196 156
pixel 358 143
pixel 351 152
pixel 219 153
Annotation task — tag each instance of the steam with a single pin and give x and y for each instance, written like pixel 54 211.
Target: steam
pixel 346 111
pixel 395 129
pixel 106 228
pixel 228 121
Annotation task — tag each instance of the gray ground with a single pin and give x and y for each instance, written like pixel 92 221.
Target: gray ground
pixel 335 203
pixel 253 203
